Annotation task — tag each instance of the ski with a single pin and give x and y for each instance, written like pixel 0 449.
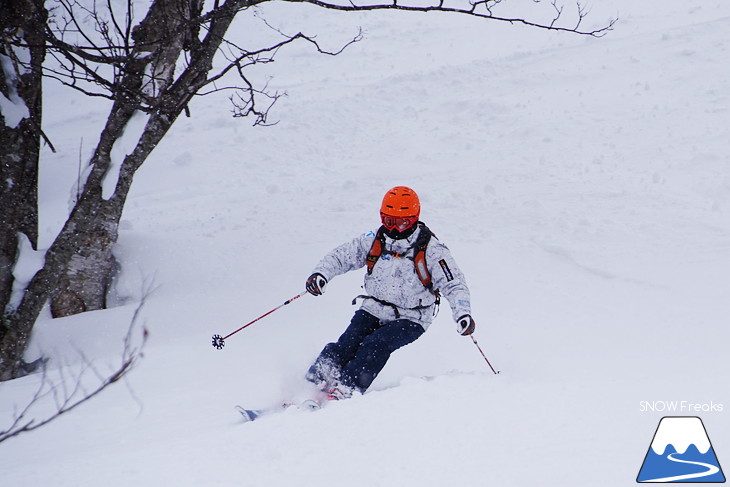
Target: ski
pixel 249 415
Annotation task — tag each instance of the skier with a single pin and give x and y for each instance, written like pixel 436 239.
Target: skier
pixel 408 269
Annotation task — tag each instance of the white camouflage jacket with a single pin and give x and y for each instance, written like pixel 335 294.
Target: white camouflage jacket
pixel 394 282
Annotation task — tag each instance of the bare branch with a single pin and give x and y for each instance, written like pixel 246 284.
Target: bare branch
pixel 67 400
pixel 245 100
pixel 472 11
pixel 69 7
pixel 558 12
pixel 244 103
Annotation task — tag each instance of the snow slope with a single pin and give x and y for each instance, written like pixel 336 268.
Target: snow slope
pixel 582 184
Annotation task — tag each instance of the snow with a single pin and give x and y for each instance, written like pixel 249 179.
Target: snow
pixel 29 262
pixel 122 148
pixel 12 106
pixel 583 186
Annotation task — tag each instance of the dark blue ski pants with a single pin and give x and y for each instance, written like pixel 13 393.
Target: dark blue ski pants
pixel 361 352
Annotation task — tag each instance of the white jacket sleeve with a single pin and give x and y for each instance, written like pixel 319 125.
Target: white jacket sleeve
pixel 347 257
pixel 448 279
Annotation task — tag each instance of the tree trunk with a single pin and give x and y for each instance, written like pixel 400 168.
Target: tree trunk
pixel 21 21
pixel 160 37
pixel 89 263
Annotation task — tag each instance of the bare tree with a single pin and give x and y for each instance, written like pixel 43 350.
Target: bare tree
pixel 151 70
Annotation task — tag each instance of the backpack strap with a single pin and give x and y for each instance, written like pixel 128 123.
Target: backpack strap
pixel 376 250
pixel 395 307
pixel 419 253
pixel 419 256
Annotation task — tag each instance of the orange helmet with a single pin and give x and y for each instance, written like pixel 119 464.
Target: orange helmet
pixel 400 209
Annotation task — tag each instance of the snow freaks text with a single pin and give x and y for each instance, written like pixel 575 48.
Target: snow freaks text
pixel 682 407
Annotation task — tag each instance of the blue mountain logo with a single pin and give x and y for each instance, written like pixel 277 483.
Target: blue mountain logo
pixel 681 452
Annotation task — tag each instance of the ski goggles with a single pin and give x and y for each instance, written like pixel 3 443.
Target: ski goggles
pixel 399 222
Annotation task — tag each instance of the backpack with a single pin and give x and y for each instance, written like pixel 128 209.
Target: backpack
pixel 419 255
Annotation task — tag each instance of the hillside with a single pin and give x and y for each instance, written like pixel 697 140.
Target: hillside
pixel 582 184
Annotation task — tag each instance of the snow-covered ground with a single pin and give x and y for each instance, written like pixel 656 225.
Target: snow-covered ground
pixel 582 184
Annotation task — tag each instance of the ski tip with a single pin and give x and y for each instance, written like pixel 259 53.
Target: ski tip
pixel 246 414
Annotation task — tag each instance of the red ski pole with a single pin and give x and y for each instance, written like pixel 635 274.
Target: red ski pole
pixel 482 352
pixel 219 341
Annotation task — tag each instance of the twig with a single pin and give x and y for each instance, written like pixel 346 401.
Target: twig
pixel 67 400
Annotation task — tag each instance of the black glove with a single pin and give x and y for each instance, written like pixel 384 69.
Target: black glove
pixel 465 325
pixel 316 283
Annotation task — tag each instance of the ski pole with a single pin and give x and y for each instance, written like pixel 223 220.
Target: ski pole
pixel 482 352
pixel 219 341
